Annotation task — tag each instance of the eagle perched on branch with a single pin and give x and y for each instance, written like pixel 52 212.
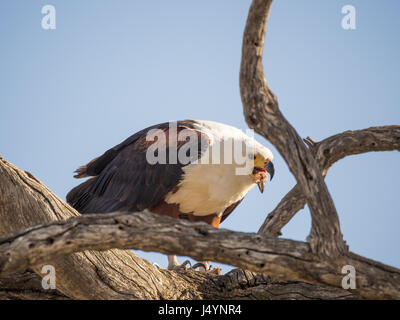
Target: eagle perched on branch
pixel 190 169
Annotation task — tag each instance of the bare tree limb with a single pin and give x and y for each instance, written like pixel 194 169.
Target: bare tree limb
pixel 327 152
pixel 114 274
pixel 148 232
pixel 26 286
pixel 263 115
pixel 50 243
pixel 237 284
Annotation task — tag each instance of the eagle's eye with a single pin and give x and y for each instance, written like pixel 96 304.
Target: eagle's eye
pixel 251 156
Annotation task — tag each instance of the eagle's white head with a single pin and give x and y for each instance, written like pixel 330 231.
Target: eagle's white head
pixel 250 157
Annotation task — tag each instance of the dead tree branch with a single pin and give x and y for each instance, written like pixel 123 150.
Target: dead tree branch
pixel 263 115
pixel 113 274
pixel 149 232
pixel 26 286
pixel 237 284
pixel 327 152
pixel 50 243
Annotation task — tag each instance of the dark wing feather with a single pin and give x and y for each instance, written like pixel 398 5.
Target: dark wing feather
pixel 124 180
pixel 229 210
pixel 94 167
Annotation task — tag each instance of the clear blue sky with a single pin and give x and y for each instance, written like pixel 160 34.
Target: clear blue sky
pixel 112 68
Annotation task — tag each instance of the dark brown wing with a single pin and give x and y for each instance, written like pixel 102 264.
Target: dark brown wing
pixel 229 210
pixel 123 178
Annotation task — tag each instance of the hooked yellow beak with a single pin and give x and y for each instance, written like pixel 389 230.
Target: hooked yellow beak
pixel 260 170
pixel 259 174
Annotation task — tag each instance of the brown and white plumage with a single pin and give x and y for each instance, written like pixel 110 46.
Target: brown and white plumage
pixel 122 179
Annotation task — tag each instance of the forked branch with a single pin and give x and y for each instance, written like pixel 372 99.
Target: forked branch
pixel 263 115
pixel 327 152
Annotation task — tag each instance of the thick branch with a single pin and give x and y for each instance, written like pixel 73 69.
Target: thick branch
pixel 263 115
pixel 148 232
pixel 327 152
pixel 237 284
pixel 26 286
pixel 286 259
pixel 117 274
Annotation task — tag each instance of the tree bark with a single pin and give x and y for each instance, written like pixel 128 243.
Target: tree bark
pixel 26 286
pixel 327 152
pixel 132 277
pixel 263 115
pixel 116 274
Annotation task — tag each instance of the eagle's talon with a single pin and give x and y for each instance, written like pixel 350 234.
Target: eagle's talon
pixel 201 266
pixel 206 268
pixel 183 265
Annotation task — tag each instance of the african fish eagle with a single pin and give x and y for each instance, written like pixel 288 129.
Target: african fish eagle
pixel 197 171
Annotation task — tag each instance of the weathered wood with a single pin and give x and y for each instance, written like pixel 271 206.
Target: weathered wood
pixel 237 284
pixel 263 115
pixel 26 286
pixel 114 274
pixel 280 258
pixel 327 152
